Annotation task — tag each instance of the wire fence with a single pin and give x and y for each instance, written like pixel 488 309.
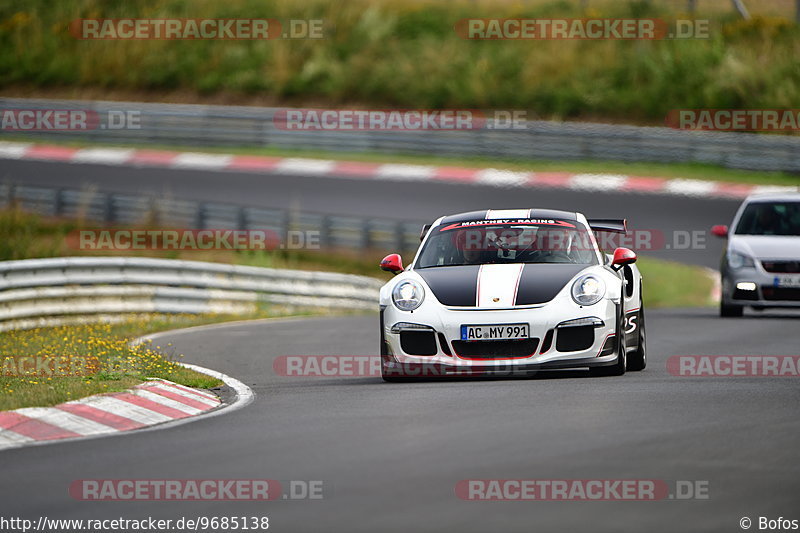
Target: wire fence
pixel 330 231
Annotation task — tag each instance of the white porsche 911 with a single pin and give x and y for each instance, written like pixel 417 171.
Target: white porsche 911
pixel 510 292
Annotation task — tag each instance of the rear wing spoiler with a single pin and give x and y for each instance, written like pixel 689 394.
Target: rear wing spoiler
pixel 425 229
pixel 612 225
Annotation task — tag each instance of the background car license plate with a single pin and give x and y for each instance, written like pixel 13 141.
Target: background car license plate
pixel 495 332
pixel 787 281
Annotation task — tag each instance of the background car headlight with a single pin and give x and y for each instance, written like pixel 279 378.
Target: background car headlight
pixel 737 260
pixel 408 295
pixel 588 290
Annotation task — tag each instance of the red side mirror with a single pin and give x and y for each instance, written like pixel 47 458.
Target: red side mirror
pixel 623 256
pixel 392 263
pixel 720 231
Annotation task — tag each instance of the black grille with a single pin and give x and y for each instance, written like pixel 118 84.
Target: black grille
pixel 790 294
pixel 443 344
pixel 574 339
pixel 418 342
pixel 547 343
pixel 782 267
pixel 496 349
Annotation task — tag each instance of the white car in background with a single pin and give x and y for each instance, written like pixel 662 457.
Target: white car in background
pixel 512 291
pixel 761 264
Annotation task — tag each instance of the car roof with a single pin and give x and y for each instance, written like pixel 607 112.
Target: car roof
pixel 791 194
pixel 489 214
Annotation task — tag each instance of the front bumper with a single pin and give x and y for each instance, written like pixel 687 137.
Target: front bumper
pixel 445 357
pixel 756 287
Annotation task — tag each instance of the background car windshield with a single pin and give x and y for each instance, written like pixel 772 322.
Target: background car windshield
pixel 497 244
pixel 770 218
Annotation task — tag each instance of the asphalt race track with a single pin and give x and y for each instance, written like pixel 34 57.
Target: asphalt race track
pixel 390 455
pixel 673 216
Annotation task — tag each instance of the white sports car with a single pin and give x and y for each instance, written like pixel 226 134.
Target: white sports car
pixel 510 292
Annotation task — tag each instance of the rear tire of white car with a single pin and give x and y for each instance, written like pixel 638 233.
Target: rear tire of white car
pixel 637 360
pixel 727 310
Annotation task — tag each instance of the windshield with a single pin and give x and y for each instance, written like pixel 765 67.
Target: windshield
pixel 482 242
pixel 770 218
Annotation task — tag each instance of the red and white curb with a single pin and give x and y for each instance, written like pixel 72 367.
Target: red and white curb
pixel 155 402
pixel 383 171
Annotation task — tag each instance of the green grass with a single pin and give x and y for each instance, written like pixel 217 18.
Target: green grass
pixel 80 361
pixel 671 284
pixel 98 358
pixel 405 53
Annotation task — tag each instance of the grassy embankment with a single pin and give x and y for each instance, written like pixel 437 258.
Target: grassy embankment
pixel 406 53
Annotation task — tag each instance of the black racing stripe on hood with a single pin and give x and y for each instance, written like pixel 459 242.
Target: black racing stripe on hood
pixel 539 283
pixel 454 286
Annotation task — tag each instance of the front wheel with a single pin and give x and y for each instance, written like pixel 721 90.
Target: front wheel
pixel 727 310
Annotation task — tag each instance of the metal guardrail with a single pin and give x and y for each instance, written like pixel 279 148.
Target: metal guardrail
pixel 198 125
pixel 333 231
pixel 33 290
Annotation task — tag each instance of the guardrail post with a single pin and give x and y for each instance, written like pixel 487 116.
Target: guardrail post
pixel 12 191
pixel 366 241
pixel 286 224
pixel 108 208
pixel 399 237
pixel 200 216
pixel 325 232
pixel 58 203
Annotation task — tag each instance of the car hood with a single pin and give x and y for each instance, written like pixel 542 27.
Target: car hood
pixel 498 286
pixel 767 246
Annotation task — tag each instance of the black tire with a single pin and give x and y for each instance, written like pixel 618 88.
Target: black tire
pixel 388 379
pixel 637 360
pixel 618 368
pixel 727 310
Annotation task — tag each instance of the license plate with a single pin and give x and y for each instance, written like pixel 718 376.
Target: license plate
pixel 786 281
pixel 495 332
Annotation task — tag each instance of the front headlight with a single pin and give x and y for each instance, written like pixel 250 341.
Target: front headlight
pixel 408 295
pixel 737 260
pixel 588 290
